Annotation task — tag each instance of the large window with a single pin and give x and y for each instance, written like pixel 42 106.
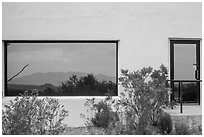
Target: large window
pixel 61 68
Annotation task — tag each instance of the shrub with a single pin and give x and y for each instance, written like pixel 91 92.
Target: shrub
pixel 139 105
pixel 28 115
pixel 159 92
pixel 181 129
pixel 145 90
pixel 103 113
pixel 173 104
pixel 136 98
pixel 200 128
pixel 144 93
pixel 165 124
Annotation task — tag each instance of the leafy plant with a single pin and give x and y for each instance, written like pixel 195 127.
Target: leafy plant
pixel 28 115
pixel 145 92
pixel 184 129
pixel 200 128
pixel 173 104
pixel 181 129
pixel 103 113
pixel 138 106
pixel 165 124
pixel 159 92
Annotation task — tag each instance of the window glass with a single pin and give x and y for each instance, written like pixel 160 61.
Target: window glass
pixel 62 69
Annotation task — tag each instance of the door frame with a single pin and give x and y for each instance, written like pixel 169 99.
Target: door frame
pixel 174 41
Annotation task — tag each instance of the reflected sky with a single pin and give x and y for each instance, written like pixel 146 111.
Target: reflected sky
pixel 97 58
pixel 184 58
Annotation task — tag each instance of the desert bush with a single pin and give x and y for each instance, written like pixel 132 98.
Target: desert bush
pixel 181 129
pixel 103 114
pixel 165 124
pixel 144 93
pixel 28 115
pixel 200 128
pixel 135 100
pixel 184 129
pixel 146 90
pixel 159 92
pixel 173 104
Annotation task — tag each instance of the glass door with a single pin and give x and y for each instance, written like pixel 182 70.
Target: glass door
pixel 185 65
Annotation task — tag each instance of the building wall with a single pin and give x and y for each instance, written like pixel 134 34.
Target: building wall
pixel 142 28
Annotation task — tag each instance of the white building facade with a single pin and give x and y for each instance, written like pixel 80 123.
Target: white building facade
pixel 143 31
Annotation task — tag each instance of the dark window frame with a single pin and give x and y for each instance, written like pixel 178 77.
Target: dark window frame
pixel 6 42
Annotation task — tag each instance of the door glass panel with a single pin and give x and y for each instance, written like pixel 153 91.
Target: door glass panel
pixel 184 58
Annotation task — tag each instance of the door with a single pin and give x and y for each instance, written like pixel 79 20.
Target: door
pixel 185 65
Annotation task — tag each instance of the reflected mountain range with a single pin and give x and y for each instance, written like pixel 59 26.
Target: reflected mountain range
pixel 55 78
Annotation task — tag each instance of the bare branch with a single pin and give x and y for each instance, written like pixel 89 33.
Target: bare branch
pixel 8 44
pixel 17 73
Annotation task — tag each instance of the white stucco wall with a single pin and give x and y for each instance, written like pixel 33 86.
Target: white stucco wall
pixel 142 28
